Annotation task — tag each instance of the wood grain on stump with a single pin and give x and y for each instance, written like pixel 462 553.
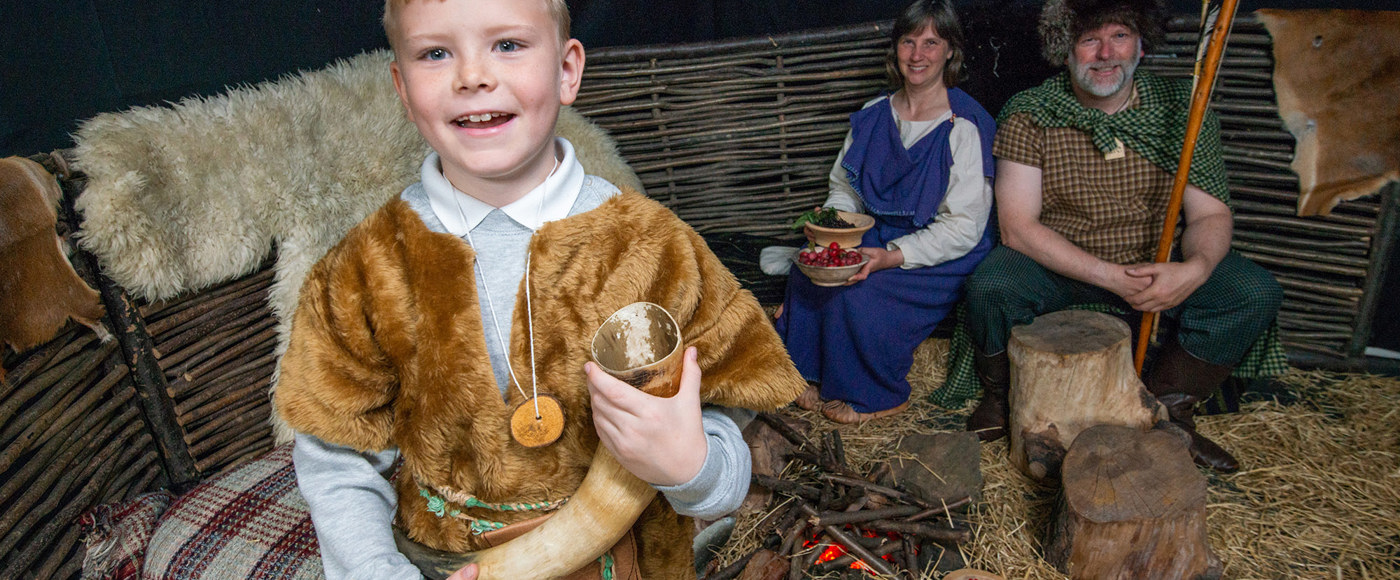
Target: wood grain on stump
pixel 1071 370
pixel 1133 507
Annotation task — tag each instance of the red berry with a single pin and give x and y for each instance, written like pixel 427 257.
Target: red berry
pixel 835 246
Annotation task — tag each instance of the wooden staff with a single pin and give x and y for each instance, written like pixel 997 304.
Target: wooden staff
pixel 1200 99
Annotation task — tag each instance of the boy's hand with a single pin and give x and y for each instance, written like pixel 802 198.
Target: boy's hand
pixel 467 572
pixel 658 439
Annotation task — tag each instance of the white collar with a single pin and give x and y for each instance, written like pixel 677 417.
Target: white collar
pixel 547 202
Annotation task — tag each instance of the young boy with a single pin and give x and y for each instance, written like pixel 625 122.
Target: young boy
pixel 476 293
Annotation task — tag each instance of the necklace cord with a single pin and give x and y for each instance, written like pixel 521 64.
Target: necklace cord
pixel 529 312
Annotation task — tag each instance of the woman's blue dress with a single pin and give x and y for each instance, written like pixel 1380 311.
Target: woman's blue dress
pixel 858 341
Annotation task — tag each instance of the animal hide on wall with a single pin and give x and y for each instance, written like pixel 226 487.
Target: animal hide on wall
pixel 39 291
pixel 184 197
pixel 1337 77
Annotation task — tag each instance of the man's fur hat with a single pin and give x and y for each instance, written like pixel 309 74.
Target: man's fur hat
pixel 1062 21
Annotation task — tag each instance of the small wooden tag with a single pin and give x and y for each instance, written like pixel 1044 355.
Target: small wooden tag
pixel 530 430
pixel 1118 151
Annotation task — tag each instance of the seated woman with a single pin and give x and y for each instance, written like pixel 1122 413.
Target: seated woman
pixel 919 161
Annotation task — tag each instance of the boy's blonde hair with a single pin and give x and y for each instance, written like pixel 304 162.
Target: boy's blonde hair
pixel 559 9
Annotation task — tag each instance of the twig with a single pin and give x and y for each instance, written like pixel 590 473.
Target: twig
pixel 938 534
pixel 738 566
pixel 734 569
pixel 911 557
pixel 800 565
pixel 781 426
pixel 877 488
pixel 943 509
pixel 837 449
pixel 789 487
pixel 841 518
pixel 790 538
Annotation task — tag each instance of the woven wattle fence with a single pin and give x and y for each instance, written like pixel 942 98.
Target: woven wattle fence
pixel 736 136
pixel 216 352
pixel 1328 266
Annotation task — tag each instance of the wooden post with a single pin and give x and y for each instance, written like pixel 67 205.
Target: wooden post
pixel 1133 507
pixel 1071 370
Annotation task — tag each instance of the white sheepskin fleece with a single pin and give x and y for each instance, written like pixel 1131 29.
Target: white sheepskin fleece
pixel 183 197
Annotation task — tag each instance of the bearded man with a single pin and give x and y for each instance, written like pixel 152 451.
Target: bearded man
pixel 1085 166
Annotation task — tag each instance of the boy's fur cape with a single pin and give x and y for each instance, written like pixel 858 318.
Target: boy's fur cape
pixel 387 349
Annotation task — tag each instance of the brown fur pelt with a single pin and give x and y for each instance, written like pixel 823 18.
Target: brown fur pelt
pixel 1337 77
pixel 388 349
pixel 183 197
pixel 39 290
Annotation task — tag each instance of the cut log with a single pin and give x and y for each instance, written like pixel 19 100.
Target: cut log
pixel 1071 370
pixel 1133 507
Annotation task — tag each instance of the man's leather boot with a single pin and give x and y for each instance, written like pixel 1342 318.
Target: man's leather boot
pixel 1180 381
pixel 989 419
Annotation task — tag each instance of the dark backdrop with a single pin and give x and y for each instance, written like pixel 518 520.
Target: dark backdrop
pixel 66 60
pixel 62 61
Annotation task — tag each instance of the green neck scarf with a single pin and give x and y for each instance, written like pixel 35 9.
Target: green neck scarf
pixel 1155 129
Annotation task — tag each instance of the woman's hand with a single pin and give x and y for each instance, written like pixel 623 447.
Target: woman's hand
pixel 660 440
pixel 877 259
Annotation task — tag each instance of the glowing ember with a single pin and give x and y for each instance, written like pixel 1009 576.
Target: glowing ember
pixel 831 552
pixel 834 551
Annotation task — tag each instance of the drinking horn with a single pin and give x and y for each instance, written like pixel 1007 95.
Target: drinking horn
pixel 603 508
pixel 610 498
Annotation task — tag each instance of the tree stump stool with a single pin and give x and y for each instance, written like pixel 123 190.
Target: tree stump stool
pixel 1133 508
pixel 1071 370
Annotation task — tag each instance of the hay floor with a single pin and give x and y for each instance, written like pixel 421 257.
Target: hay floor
pixel 1318 495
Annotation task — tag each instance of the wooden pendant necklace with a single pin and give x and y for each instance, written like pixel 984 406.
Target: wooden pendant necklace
pixel 1119 151
pixel 539 419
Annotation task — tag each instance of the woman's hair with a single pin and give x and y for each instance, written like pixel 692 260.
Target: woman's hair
pixel 940 15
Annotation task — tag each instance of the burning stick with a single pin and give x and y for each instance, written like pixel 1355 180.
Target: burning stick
pixel 875 562
pixel 847 559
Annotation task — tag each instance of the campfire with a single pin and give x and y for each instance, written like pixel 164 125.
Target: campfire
pixel 825 517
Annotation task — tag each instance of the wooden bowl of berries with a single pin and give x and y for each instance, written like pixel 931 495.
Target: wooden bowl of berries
pixel 825 225
pixel 830 265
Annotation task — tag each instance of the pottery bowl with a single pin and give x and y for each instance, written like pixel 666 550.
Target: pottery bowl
pixel 830 275
pixel 847 238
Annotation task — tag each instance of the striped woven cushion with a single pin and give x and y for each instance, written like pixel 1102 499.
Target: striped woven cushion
pixel 250 522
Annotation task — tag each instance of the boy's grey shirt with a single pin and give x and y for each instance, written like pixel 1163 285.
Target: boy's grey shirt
pixel 351 501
